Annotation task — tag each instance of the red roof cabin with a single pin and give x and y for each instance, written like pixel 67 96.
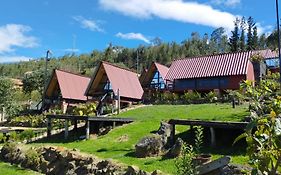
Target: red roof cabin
pixel 111 78
pixel 65 89
pixel 154 77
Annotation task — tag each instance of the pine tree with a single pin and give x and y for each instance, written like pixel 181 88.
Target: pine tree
pixel 262 42
pixel 255 38
pixel 234 39
pixel 242 43
pixel 251 25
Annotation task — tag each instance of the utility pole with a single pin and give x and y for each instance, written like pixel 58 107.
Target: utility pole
pixel 45 77
pixel 278 34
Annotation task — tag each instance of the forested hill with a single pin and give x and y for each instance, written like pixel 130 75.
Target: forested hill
pixel 242 38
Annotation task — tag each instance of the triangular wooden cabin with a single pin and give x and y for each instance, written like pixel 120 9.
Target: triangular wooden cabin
pixel 65 88
pixel 154 77
pixel 111 78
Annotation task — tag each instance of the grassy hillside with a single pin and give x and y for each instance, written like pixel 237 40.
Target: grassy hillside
pixel 119 143
pixel 9 169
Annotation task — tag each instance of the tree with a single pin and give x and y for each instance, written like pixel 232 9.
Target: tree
pixel 216 41
pixel 262 42
pixel 7 92
pixel 255 38
pixel 251 24
pixel 242 43
pixel 234 39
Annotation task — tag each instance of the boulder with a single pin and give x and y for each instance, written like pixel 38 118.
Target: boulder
pixel 157 172
pixel 149 146
pixel 133 170
pixel 164 131
pixel 176 149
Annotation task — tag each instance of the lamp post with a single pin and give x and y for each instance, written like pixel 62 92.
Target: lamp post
pixel 45 77
pixel 278 34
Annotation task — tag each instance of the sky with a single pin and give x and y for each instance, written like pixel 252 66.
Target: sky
pixel 28 28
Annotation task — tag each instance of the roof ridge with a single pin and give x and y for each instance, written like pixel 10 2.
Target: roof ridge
pixel 112 64
pixel 72 73
pixel 219 54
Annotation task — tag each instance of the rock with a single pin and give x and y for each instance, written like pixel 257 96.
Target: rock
pixel 157 172
pixel 132 170
pixel 164 131
pixel 149 146
pixel 176 149
pixel 104 130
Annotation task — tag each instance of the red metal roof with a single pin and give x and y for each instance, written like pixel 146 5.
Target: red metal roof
pixel 214 65
pixel 120 78
pixel 124 80
pixel 163 70
pixel 72 86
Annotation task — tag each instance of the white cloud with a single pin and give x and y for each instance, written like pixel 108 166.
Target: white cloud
pixel 88 24
pixel 179 10
pixel 10 59
pixel 71 50
pixel 133 36
pixel 264 29
pixel 229 3
pixel 14 35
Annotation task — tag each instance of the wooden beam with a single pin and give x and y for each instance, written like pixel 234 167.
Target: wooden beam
pixel 87 129
pixel 213 137
pixel 214 124
pixel 49 127
pixel 65 128
pixel 214 165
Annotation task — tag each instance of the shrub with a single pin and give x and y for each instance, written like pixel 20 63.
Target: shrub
pixel 32 160
pixel 185 164
pixel 26 134
pixel 13 136
pixel 29 121
pixel 88 109
pixel 2 138
pixel 191 97
pixel 263 133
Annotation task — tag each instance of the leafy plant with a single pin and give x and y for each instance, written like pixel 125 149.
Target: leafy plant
pixel 88 109
pixel 263 133
pixel 26 134
pixel 185 164
pixel 198 139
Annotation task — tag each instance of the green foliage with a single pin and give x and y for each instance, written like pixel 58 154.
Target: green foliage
pixel 13 136
pixel 198 139
pixel 263 133
pixel 33 158
pixel 2 138
pixel 88 109
pixel 190 97
pixel 26 134
pixel 36 121
pixel 185 164
pixel 7 101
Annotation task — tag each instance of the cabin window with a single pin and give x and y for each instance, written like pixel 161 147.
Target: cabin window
pixel 107 86
pixel 157 81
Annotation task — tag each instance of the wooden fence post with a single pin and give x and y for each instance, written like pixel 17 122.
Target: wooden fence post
pixel 49 126
pixel 213 137
pixel 65 128
pixel 87 129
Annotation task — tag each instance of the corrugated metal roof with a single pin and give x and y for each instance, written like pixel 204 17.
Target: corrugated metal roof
pixel 72 86
pixel 120 78
pixel 214 65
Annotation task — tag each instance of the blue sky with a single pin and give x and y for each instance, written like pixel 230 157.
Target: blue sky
pixel 28 28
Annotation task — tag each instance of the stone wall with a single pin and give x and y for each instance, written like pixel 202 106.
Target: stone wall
pixel 60 161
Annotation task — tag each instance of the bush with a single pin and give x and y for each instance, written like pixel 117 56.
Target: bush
pixel 2 138
pixel 88 109
pixel 26 134
pixel 35 121
pixel 13 136
pixel 32 160
pixel 191 97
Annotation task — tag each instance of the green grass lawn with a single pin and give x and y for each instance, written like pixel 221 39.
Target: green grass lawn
pixel 119 143
pixel 8 169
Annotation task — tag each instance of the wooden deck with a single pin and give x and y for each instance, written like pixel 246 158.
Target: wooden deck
pixel 207 124
pixel 87 119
